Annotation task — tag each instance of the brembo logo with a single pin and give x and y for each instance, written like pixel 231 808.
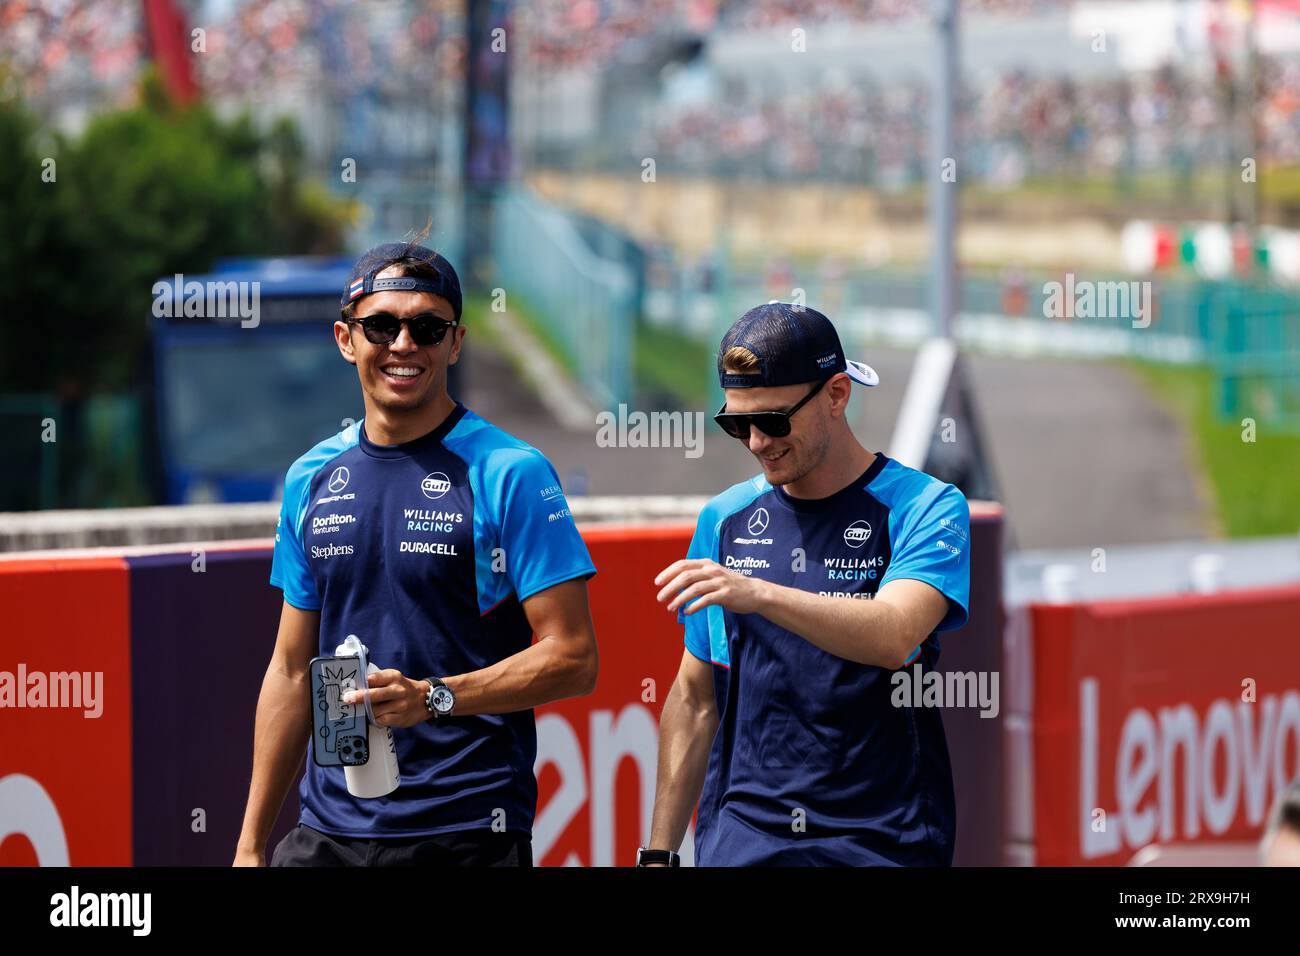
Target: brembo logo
pixel 435 485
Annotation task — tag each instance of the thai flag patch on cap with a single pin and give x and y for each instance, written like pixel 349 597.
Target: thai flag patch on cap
pixel 357 287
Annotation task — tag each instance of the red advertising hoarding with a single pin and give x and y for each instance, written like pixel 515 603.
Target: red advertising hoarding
pixel 1162 720
pixel 65 713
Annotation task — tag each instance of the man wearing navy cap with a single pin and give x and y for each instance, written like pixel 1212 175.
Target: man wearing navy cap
pixel 804 589
pixel 444 544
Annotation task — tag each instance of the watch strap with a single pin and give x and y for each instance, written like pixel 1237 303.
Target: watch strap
pixel 434 684
pixel 644 857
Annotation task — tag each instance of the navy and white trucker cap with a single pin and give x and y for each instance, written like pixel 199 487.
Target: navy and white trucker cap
pixel 363 281
pixel 793 344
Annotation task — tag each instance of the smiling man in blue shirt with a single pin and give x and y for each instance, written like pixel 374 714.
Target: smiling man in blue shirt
pixel 445 544
pixel 803 590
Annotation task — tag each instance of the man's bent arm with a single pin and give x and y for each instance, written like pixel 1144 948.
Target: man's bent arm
pixel 686 730
pixel 282 730
pixel 882 631
pixel 562 663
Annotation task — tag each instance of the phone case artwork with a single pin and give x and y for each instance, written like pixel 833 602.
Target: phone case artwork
pixel 339 732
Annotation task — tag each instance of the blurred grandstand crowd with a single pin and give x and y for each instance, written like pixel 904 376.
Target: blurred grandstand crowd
pixel 1012 124
pixel 577 32
pixel 60 50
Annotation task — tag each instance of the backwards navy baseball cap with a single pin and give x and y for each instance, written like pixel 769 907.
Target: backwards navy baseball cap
pixel 793 345
pixel 447 283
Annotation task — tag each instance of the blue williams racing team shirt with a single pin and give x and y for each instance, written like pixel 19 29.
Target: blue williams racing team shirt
pixel 812 764
pixel 425 551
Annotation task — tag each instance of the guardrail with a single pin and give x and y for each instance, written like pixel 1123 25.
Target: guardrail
pixel 22 532
pixel 587 303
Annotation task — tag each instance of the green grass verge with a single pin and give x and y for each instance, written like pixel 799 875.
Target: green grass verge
pixel 671 369
pixel 474 316
pixel 477 311
pixel 1256 485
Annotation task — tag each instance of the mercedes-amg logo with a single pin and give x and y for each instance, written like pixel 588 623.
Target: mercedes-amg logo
pixel 338 480
pixel 758 521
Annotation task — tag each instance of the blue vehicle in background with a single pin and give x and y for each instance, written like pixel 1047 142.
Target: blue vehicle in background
pixel 237 403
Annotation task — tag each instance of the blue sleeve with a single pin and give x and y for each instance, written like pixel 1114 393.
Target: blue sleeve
pixel 932 546
pixel 289 569
pixel 536 530
pixel 703 545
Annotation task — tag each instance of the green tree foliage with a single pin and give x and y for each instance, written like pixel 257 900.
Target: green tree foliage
pixel 139 194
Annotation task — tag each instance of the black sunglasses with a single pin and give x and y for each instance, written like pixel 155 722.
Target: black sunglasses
pixel 772 424
pixel 383 329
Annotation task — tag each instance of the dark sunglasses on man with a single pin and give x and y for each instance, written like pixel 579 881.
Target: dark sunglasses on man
pixel 383 329
pixel 772 424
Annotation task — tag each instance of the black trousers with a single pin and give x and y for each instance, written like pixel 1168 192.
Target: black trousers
pixel 304 846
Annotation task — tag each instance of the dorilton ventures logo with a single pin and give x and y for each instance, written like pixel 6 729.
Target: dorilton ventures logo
pixel 745 565
pixel 331 523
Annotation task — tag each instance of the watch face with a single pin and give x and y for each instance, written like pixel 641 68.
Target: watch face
pixel 443 700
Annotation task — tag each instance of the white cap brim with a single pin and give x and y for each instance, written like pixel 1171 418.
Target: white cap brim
pixel 862 374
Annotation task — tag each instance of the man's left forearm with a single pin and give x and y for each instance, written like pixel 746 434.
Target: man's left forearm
pixel 865 631
pixel 545 672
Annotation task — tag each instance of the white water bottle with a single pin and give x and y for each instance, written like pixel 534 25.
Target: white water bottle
pixel 378 776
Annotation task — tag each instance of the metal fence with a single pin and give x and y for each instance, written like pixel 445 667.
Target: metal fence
pixel 30 450
pixel 587 303
pixel 72 454
pixel 1254 337
pixel 1247 333
pixel 168 525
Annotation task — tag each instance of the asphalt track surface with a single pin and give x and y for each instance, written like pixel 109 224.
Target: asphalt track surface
pixel 1084 457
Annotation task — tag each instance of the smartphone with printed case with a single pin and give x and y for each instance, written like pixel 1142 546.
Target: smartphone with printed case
pixel 339 731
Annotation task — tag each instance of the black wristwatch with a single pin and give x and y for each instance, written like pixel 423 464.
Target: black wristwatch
pixel 645 857
pixel 439 700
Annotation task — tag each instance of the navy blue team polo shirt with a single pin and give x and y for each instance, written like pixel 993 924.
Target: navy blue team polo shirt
pixel 812 764
pixel 425 551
